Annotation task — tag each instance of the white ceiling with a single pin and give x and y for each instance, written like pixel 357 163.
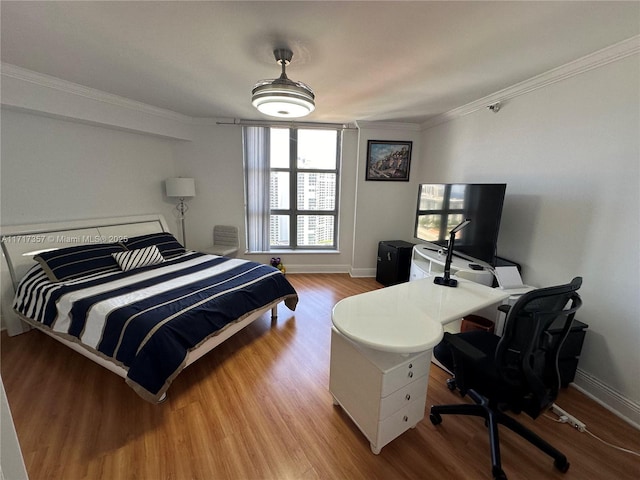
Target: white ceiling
pixel 374 61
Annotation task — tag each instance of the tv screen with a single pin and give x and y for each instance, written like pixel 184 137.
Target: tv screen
pixel 443 206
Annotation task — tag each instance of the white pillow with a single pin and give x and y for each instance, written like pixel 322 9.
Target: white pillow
pixel 142 257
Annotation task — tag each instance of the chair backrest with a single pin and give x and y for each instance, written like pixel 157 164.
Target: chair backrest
pixel 527 354
pixel 225 235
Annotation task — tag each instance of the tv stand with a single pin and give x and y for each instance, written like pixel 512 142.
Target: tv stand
pixel 426 261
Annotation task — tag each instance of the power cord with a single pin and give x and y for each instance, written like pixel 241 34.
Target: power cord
pixel 625 450
pixel 565 419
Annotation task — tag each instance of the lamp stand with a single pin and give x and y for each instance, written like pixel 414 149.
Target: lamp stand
pixel 182 209
pixel 447 281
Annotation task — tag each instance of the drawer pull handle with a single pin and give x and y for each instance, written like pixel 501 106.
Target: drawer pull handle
pixel 408 397
pixel 410 374
pixel 411 365
pixel 405 418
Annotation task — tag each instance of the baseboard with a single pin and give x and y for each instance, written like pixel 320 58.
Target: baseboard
pixel 362 272
pixel 291 268
pixel 607 397
pixel 354 272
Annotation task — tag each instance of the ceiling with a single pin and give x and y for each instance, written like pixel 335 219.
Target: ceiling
pixel 373 61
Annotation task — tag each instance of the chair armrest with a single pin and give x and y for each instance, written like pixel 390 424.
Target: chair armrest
pixel 464 348
pixel 504 308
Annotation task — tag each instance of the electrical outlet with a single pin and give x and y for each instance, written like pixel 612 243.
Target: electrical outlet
pixel 567 418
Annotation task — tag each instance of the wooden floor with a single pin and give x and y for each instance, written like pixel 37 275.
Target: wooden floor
pixel 258 407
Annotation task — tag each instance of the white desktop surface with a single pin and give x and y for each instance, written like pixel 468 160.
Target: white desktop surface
pixel 408 318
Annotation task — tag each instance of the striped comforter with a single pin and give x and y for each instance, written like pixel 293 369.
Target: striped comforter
pixel 146 320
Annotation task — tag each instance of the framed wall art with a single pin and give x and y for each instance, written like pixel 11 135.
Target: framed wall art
pixel 388 160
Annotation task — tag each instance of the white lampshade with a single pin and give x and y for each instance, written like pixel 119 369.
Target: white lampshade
pixel 180 187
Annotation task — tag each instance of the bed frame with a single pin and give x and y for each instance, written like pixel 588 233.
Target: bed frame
pixel 20 243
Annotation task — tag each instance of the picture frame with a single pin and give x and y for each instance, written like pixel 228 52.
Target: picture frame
pixel 388 160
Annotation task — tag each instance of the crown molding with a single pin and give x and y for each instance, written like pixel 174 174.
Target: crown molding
pixel 597 59
pixel 48 81
pixel 213 120
pixel 363 124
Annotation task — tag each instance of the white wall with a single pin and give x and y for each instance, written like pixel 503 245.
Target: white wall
pixel 59 170
pixel 214 159
pixel 570 154
pixel 384 210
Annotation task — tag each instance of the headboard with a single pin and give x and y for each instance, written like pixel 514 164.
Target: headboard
pixel 20 243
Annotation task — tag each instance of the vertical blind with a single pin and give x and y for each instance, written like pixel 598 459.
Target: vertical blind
pixel 256 141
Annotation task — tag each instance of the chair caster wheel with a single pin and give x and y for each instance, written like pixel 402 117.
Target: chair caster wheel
pixel 561 464
pixel 435 418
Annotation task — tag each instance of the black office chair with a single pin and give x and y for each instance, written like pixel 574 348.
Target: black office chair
pixel 516 372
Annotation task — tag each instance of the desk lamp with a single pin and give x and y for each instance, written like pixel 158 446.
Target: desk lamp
pixel 447 280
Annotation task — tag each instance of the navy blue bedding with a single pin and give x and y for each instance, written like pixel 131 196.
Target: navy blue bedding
pixel 147 320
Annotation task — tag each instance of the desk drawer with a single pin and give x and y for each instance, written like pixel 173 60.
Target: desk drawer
pixel 405 373
pixel 404 396
pixel 401 421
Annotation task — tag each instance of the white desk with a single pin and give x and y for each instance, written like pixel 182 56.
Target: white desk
pixel 408 318
pixel 381 350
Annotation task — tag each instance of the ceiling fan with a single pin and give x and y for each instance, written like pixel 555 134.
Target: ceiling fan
pixel 282 97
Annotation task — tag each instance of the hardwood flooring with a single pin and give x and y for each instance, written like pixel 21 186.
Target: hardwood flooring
pixel 258 407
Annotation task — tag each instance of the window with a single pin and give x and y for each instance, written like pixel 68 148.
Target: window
pixel 291 188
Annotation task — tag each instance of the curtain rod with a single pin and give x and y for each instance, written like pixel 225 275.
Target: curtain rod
pixel 257 123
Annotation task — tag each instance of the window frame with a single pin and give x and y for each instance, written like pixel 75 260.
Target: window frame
pixel 294 211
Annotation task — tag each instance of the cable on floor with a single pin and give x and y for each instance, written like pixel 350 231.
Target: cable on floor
pixel 625 450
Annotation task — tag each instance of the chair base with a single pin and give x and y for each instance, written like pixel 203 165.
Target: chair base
pixel 492 418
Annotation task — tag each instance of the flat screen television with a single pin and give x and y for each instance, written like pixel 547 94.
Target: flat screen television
pixel 443 206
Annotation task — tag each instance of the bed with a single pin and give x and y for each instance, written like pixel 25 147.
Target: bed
pixel 125 294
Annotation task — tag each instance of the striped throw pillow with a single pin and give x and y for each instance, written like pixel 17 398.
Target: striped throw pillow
pixel 142 257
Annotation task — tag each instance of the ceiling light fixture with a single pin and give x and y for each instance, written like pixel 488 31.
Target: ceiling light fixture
pixel 282 97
